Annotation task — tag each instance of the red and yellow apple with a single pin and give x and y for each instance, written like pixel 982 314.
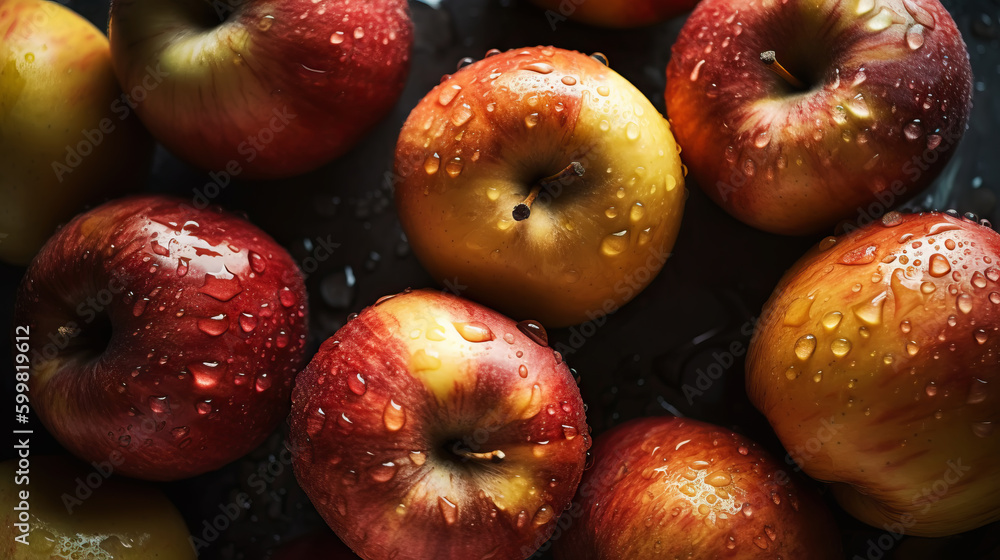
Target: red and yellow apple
pixel 432 427
pixel 261 88
pixel 891 334
pixel 67 135
pixel 54 507
pixel 678 488
pixel 614 13
pixel 167 334
pixel 863 105
pixel 542 181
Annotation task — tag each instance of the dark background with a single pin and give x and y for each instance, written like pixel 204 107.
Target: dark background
pixel 636 363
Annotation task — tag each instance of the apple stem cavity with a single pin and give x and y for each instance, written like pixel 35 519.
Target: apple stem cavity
pixel 494 456
pixel 770 59
pixel 523 210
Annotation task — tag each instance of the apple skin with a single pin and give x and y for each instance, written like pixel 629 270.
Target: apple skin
pixel 616 13
pixel 666 487
pixel 383 411
pixel 475 146
pixel 278 88
pixel 167 334
pixel 878 124
pixel 57 87
pixel 120 518
pixel 913 402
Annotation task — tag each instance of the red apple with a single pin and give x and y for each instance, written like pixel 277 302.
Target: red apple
pixel 54 507
pixel 892 335
pixel 543 181
pixel 69 138
pixel 614 13
pixel 877 96
pixel 678 488
pixel 432 427
pixel 261 88
pixel 167 334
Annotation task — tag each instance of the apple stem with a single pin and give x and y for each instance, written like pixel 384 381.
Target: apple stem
pixel 494 456
pixel 523 210
pixel 770 59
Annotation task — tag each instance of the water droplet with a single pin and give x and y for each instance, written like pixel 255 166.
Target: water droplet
pixel 432 163
pixel 474 331
pixel 206 374
pixel 791 373
pixel 569 80
pixel 882 20
pixel 287 297
pixel 265 23
pixel 394 417
pixel 859 78
pixel 213 326
pixel 718 478
pixel 696 71
pixel 543 515
pixel 159 405
pixel 531 120
pixel 534 331
pixel 965 303
pixel 978 279
pixel 384 472
pixel 337 38
pixel 859 106
pixel 912 348
pixel 840 347
pixel 859 255
pixel 870 312
pixel 604 91
pixel 977 391
pixel 449 511
pixel 448 93
pixel 762 140
pixel 140 306
pixel 865 6
pixel 805 346
pixel 220 287
pixel 359 32
pixel 915 37
pixel 913 130
pixel 263 383
pixel 983 429
pixel 540 67
pixel 522 370
pixel 454 167
pixel 357 384
pixel 933 141
pixel 632 131
pixel 615 243
pixel 832 320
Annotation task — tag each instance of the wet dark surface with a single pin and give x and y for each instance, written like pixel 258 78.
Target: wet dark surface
pixel 635 364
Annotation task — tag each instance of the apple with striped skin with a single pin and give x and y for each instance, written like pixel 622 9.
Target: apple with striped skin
pixel 892 334
pixel 614 13
pixel 259 88
pixel 667 487
pixel 542 181
pixel 69 139
pixel 167 334
pixel 432 427
pixel 796 115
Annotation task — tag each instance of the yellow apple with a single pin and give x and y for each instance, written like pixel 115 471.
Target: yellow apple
pixel 68 136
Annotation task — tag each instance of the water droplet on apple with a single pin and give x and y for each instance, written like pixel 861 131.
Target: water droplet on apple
pixel 832 320
pixel 798 311
pixel 522 370
pixel 287 297
pixel 791 373
pixel 393 416
pixel 859 106
pixel 977 391
pixel 182 266
pixel 805 346
pixel 762 140
pixel 247 322
pixel 638 212
pixel 865 6
pixel 160 249
pixel 384 472
pixel 870 312
pixel 461 115
pixel 569 80
pixel 213 326
pixel 965 303
pixel 159 405
pixel 359 32
pixel 696 71
pixel 474 331
pixel 265 23
pixel 531 120
pixel 859 78
pixel 718 479
pixel 432 163
pixel 534 331
pixel 615 243
pixel 337 38
pixel 604 91
pixel 912 348
pixel 913 130
pixel 978 280
pixel 357 384
pixel 140 306
pixel 448 93
pixel 449 511
pixel 180 432
pixel 983 429
pixel 221 288
pixel 540 67
pixel 263 383
pixel 915 37
pixel 882 20
pixel 840 347
pixel 206 374
pixel 632 131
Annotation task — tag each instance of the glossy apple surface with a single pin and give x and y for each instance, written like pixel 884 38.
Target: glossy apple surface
pixel 885 98
pixel 614 13
pixel 75 511
pixel 478 143
pixel 168 334
pixel 68 139
pixel 891 335
pixel 669 487
pixel 432 427
pixel 273 88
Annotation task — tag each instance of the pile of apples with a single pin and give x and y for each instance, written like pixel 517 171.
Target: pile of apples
pixel 161 338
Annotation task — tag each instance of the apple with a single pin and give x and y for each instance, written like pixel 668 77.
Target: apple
pixel 666 487
pixel 542 181
pixel 890 337
pixel 54 507
pixel 318 544
pixel 860 108
pixel 432 427
pixel 260 88
pixel 69 137
pixel 614 13
pixel 164 333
